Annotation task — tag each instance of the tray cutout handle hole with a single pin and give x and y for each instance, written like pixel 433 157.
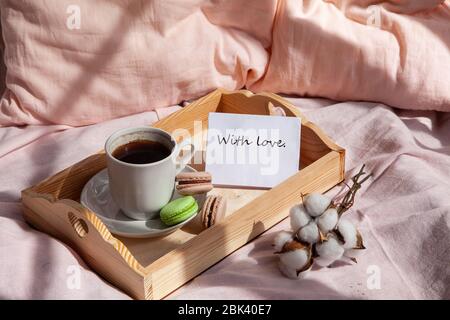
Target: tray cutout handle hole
pixel 79 225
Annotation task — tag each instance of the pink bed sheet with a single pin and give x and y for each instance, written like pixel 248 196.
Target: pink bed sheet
pixel 403 213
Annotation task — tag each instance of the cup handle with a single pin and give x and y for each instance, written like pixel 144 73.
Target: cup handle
pixel 183 161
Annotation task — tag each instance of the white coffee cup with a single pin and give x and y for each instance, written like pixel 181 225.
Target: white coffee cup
pixel 141 190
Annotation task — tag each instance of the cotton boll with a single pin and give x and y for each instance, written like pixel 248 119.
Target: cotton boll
pixel 299 217
pixel 292 273
pixel 316 204
pixel 309 233
pixel 329 251
pixel 288 272
pixel 280 239
pixel 295 259
pixel 328 220
pixel 357 251
pixel 323 262
pixel 349 234
pixel 354 254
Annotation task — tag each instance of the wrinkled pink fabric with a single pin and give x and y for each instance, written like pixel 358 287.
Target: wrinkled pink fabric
pixel 357 50
pixel 403 213
pixel 127 57
pixel 132 56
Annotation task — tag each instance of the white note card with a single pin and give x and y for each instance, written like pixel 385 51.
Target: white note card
pixel 252 150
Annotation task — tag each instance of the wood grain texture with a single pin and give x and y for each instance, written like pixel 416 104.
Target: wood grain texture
pixel 152 268
pixel 97 247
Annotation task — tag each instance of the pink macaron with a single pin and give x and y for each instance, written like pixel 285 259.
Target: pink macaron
pixel 191 183
pixel 213 211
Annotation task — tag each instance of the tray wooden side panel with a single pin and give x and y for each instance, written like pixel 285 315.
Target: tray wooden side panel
pixel 314 142
pixel 83 231
pixel 195 113
pixel 212 245
pixel 68 183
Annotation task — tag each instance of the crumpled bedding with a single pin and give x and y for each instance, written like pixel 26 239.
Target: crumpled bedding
pixel 403 212
pixel 90 61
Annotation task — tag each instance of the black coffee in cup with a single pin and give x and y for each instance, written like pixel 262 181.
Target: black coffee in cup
pixel 142 164
pixel 141 152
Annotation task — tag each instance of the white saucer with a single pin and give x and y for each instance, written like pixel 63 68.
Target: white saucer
pixel 97 198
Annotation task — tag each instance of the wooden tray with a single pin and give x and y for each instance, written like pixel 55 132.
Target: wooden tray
pixel 152 268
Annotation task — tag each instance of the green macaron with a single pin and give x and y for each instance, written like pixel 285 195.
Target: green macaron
pixel 178 210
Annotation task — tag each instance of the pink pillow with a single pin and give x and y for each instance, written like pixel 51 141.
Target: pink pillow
pixel 396 52
pixel 124 57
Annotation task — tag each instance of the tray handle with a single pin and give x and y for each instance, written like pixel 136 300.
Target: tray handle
pixel 68 219
pixel 78 224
